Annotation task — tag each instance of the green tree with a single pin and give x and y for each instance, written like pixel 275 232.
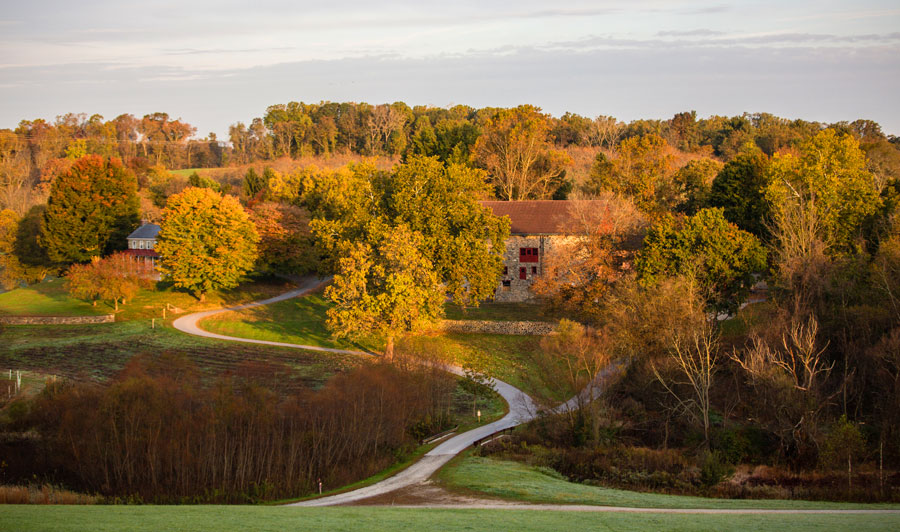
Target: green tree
pixel 384 285
pixel 253 183
pixel 828 178
pixel 739 189
pixel 197 180
pixel 92 208
pixel 207 241
pixel 459 236
pixel 692 184
pixel 459 240
pixel 720 256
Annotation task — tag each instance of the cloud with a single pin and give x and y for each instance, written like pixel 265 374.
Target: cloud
pixel 689 33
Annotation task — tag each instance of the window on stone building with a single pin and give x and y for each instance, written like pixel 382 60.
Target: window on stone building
pixel 534 270
pixel 505 270
pixel 523 273
pixel 528 254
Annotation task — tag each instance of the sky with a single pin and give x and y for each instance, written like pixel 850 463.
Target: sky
pixel 216 63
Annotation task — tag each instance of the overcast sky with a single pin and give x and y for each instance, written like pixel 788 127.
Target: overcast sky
pixel 216 63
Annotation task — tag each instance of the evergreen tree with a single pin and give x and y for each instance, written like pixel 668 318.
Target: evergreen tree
pixel 93 207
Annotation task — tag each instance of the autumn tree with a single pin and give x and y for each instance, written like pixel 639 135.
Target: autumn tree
pixel 571 362
pixel 828 177
pixel 516 150
pixel 642 171
pixel 285 242
pixel 207 241
pixel 116 278
pixel 602 239
pixel 692 183
pixel 721 256
pixel 92 208
pixel 385 285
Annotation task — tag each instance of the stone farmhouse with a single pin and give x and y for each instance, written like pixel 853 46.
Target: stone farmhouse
pixel 536 227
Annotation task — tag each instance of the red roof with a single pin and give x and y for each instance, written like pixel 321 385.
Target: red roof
pixel 142 252
pixel 538 217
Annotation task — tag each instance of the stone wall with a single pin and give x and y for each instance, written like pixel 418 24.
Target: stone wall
pixel 56 320
pixel 539 328
pixel 519 289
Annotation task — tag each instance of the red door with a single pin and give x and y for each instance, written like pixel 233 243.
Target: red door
pixel 523 273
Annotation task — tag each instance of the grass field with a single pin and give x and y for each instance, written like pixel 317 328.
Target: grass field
pixel 265 519
pixel 300 320
pixel 521 482
pixel 509 357
pixel 46 299
pixel 96 352
pixel 50 298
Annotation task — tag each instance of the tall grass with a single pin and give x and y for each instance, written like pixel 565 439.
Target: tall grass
pixel 44 494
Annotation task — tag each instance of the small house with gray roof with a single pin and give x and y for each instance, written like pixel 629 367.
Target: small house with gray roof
pixel 142 243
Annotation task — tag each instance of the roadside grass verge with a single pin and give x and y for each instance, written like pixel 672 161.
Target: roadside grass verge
pixel 507 357
pixel 300 320
pixel 373 519
pixel 521 482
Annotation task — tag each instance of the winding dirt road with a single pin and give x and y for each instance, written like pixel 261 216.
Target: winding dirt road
pixel 521 410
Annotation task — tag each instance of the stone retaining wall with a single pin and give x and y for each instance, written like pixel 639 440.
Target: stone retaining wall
pixel 56 320
pixel 498 327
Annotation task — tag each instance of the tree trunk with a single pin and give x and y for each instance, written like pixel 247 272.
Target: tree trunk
pixel 389 348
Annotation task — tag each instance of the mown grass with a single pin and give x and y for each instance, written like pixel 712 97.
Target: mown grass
pixel 300 320
pixel 276 519
pixel 49 298
pixel 521 482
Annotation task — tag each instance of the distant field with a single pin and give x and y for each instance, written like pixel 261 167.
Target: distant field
pixel 277 519
pixel 521 482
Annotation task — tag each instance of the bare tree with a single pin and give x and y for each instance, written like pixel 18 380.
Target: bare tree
pixel 694 362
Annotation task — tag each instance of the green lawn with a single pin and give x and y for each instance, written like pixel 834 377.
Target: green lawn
pixel 509 357
pixel 514 480
pixel 499 312
pixel 300 320
pixel 97 352
pixel 277 519
pixel 46 299
pixel 50 298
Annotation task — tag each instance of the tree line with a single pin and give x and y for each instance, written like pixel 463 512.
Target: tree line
pixel 168 437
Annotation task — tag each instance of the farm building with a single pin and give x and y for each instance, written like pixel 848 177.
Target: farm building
pixel 536 227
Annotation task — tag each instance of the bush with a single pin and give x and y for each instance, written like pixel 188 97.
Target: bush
pixel 715 468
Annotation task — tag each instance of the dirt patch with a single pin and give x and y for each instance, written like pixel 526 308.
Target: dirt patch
pixel 427 494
